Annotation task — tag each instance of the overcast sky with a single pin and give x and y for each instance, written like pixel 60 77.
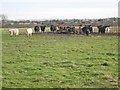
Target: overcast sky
pixel 59 9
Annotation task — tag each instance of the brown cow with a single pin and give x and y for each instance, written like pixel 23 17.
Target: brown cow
pixel 77 29
pixel 62 28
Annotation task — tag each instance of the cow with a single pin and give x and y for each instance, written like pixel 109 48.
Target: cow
pixel 102 29
pixel 77 29
pixel 107 29
pixel 43 28
pixel 36 28
pixel 90 29
pixel 93 29
pixel 85 30
pixel 53 28
pixel 99 29
pixel 62 29
pixel 29 32
pixel 70 29
pixel 14 32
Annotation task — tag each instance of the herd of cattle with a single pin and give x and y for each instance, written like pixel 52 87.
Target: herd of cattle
pixel 80 29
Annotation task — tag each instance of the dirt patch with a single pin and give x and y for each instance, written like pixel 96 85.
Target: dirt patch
pixel 93 34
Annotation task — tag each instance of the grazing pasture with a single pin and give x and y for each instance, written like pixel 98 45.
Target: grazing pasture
pixel 59 61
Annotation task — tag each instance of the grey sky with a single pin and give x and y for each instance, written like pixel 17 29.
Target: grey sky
pixel 59 9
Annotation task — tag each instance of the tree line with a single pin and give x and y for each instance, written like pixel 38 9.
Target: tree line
pixel 6 23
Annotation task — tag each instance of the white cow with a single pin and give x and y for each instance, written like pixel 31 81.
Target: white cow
pixel 14 32
pixel 107 29
pixel 29 32
pixel 93 29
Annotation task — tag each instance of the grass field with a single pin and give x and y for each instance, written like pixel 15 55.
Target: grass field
pixel 59 61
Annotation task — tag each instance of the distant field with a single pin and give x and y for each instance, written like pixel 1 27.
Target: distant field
pixel 59 61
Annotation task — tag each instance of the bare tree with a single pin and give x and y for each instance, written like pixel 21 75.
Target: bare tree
pixel 3 18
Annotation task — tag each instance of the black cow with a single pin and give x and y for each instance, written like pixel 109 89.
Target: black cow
pixel 52 28
pixel 36 28
pixel 102 29
pixel 43 28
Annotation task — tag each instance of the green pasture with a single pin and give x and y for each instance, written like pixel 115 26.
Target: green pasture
pixel 59 61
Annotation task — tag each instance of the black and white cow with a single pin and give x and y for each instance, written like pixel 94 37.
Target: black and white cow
pixel 36 28
pixel 90 28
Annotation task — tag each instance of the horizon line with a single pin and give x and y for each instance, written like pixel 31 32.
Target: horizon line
pixel 61 19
